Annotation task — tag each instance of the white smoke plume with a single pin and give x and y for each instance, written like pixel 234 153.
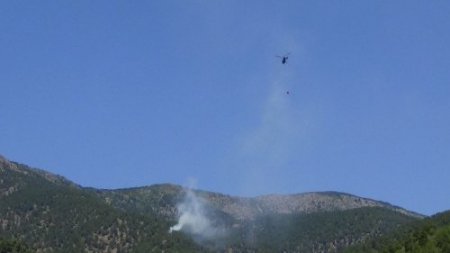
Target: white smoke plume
pixel 194 220
pixel 192 215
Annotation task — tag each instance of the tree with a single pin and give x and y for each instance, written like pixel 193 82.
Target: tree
pixel 13 246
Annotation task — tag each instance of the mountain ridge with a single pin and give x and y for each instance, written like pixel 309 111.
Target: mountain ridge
pixel 273 203
pixel 53 214
pixel 251 207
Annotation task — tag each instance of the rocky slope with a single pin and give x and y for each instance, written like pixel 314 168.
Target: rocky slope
pixel 163 199
pixel 52 214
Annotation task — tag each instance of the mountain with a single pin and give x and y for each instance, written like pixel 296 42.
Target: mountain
pixel 52 214
pixel 163 198
pixel 431 234
pixel 354 219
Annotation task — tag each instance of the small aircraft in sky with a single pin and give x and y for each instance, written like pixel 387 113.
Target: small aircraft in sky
pixel 284 58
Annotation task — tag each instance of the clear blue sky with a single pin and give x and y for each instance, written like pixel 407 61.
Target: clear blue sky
pixel 114 94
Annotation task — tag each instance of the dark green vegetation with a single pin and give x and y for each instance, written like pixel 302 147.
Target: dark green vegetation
pixel 323 231
pixel 431 235
pixel 42 211
pixel 54 215
pixel 13 246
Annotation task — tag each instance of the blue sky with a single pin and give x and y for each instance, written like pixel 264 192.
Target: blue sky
pixel 114 94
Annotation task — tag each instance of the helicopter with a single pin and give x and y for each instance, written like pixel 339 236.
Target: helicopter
pixel 284 58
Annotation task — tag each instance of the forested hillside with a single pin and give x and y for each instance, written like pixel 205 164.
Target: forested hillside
pixel 429 235
pixel 50 214
pixel 40 211
pixel 13 246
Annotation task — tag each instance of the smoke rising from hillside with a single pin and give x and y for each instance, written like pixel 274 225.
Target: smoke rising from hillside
pixel 194 219
pixel 192 215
